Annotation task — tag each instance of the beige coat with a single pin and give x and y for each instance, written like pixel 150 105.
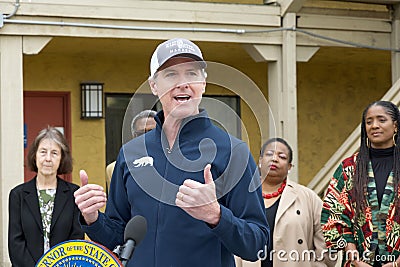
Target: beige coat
pixel 297 233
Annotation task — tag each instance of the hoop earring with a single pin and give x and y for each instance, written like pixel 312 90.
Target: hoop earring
pixel 394 138
pixel 368 143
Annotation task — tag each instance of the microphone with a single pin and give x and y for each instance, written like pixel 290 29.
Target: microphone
pixel 135 231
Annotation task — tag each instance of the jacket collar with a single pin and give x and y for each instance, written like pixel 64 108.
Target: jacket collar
pixel 288 197
pixel 60 201
pixel 196 123
pixel 190 129
pixel 32 201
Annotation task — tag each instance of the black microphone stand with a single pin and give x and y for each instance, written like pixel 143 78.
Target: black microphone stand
pixel 124 252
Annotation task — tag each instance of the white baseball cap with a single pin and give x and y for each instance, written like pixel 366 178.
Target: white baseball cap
pixel 172 48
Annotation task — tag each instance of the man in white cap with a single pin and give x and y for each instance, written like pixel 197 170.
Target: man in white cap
pixel 189 179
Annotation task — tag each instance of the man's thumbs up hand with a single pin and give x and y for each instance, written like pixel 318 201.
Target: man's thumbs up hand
pixel 200 200
pixel 84 177
pixel 208 179
pixel 89 198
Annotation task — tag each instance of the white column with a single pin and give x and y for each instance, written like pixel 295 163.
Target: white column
pixel 273 55
pixel 282 100
pixel 289 87
pixel 275 94
pixel 11 129
pixel 396 43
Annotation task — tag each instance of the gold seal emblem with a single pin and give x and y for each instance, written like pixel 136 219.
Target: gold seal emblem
pixel 78 253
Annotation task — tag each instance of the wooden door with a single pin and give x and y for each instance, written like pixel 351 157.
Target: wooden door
pixel 40 110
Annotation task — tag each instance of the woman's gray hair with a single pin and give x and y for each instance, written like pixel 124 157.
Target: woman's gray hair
pixel 55 135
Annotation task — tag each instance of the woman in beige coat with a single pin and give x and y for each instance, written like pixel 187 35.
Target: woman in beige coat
pixel 293 213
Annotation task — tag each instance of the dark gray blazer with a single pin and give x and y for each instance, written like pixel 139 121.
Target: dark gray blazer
pixel 25 230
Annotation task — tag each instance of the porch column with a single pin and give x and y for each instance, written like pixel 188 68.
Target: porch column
pixel 289 89
pixel 11 128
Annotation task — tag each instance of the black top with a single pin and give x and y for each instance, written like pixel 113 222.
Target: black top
pixel 271 215
pixel 382 165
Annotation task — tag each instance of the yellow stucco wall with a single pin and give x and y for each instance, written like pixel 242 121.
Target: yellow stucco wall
pixel 344 5
pixel 63 71
pixel 334 87
pixel 122 65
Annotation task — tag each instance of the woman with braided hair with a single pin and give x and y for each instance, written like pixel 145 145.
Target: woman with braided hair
pixel 361 213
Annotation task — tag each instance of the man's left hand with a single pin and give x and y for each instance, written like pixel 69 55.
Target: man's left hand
pixel 200 200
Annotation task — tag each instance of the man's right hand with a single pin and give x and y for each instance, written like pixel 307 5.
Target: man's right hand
pixel 89 198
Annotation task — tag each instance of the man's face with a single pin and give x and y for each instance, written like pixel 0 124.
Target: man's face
pixel 179 85
pixel 144 125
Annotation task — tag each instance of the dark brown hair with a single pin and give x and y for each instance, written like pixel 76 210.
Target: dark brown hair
pixel 55 135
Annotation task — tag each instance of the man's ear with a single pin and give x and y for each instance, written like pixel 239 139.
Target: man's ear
pixel 153 87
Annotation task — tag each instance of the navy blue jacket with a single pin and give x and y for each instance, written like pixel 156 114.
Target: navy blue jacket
pixel 145 182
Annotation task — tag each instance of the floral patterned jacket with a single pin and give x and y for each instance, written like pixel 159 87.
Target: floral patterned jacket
pixel 375 227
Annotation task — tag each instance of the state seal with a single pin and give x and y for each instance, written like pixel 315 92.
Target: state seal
pixel 78 253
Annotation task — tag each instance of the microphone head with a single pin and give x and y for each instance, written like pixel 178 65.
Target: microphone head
pixel 136 229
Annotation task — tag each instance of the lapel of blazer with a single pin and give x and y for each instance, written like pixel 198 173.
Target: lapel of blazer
pixel 32 201
pixel 59 201
pixel 287 198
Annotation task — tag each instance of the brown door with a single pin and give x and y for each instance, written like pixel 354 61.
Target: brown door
pixel 40 110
